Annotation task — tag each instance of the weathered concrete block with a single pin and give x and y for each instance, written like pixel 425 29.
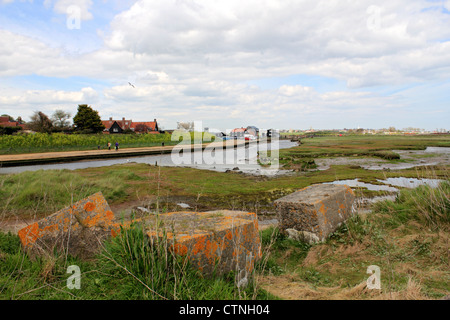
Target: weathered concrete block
pixel 317 210
pixel 78 230
pixel 304 236
pixel 216 241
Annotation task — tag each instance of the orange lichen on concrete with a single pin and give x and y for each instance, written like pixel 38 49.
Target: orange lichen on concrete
pixel 78 227
pixel 212 240
pixel 180 249
pixel 105 218
pixel 89 206
pixel 319 209
pixel 30 234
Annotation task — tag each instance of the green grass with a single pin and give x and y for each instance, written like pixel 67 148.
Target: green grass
pixel 426 205
pixel 407 238
pixel 44 192
pixel 129 267
pixel 359 146
pixel 42 142
pixel 40 192
pixel 58 142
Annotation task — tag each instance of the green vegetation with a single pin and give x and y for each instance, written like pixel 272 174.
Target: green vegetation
pixel 396 236
pixel 129 268
pixel 58 142
pixel 40 142
pixel 87 120
pixel 428 206
pixel 357 146
pixel 407 237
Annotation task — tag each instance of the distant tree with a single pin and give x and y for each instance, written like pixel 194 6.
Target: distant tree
pixel 60 119
pixel 40 122
pixel 20 120
pixel 87 120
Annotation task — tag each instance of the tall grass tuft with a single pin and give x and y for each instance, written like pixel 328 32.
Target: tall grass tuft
pixel 425 204
pixel 153 271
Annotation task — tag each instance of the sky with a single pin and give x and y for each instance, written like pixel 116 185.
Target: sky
pixel 290 64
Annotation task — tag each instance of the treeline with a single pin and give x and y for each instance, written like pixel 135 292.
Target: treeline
pixel 87 120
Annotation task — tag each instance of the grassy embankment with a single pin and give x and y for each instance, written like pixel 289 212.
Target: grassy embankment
pixel 408 239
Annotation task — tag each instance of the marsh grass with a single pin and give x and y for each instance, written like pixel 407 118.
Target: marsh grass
pixel 130 266
pixel 359 146
pixel 426 205
pixel 156 272
pixel 406 237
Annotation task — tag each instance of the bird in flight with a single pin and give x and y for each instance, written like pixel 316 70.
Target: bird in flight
pixel 131 84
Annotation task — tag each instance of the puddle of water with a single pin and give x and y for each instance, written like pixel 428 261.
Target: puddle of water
pixel 363 203
pixel 411 182
pixel 389 183
pixel 358 184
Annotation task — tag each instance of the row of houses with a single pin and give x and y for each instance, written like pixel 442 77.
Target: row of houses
pixel 6 122
pixel 120 126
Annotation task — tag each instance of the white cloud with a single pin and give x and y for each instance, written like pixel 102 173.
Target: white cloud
pixel 197 55
pixel 24 102
pixel 255 38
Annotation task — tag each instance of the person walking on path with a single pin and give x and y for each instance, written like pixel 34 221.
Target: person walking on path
pixel 109 145
pixel 117 146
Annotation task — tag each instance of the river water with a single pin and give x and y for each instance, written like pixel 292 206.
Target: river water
pixel 244 159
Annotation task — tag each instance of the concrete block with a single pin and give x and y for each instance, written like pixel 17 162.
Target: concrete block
pixel 316 210
pixel 215 241
pixel 78 230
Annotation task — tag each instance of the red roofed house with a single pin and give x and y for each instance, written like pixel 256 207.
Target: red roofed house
pixel 5 122
pixel 238 132
pixel 119 126
pixel 145 127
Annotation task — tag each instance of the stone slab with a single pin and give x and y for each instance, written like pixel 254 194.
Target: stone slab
pixel 78 230
pixel 318 209
pixel 215 242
